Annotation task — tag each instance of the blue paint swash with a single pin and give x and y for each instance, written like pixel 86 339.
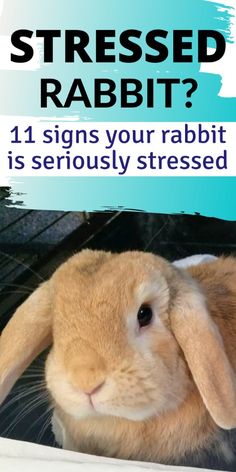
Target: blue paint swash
pixel 208 196
pixel 157 14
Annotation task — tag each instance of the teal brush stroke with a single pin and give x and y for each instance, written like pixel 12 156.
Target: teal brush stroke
pixel 226 19
pixel 209 196
pixel 119 15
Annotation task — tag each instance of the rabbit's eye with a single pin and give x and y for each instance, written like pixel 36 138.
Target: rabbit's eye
pixel 145 315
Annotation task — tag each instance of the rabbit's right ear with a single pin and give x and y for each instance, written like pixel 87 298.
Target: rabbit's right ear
pixel 26 335
pixel 202 345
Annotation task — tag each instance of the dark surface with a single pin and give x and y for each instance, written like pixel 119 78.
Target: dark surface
pixel 33 244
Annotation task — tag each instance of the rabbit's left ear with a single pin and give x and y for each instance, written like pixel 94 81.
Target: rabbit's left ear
pixel 26 335
pixel 202 345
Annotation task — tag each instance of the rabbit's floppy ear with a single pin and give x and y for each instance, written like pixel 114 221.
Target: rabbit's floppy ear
pixel 202 345
pixel 26 335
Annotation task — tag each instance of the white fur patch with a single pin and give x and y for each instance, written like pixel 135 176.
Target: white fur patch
pixel 194 260
pixel 58 430
pixel 61 436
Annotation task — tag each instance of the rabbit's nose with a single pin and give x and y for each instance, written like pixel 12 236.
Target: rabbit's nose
pixel 87 372
pixel 89 380
pixel 96 389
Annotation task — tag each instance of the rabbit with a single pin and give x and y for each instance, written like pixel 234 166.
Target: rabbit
pixel 142 356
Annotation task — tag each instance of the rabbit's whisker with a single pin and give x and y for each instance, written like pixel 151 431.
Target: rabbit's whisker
pixel 12 258
pixel 33 404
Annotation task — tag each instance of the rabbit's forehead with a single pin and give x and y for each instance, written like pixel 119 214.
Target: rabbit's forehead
pixel 106 295
pixel 109 290
pixel 114 274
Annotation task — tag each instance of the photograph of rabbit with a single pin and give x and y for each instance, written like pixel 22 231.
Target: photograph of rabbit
pixel 143 358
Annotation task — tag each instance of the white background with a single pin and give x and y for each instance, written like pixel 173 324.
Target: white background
pixel 134 150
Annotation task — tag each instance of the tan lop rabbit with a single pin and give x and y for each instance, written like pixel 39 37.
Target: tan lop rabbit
pixel 143 357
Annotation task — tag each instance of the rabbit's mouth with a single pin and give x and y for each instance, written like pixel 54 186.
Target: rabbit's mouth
pixel 137 401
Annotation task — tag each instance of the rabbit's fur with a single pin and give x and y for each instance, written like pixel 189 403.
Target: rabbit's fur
pixel 163 393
